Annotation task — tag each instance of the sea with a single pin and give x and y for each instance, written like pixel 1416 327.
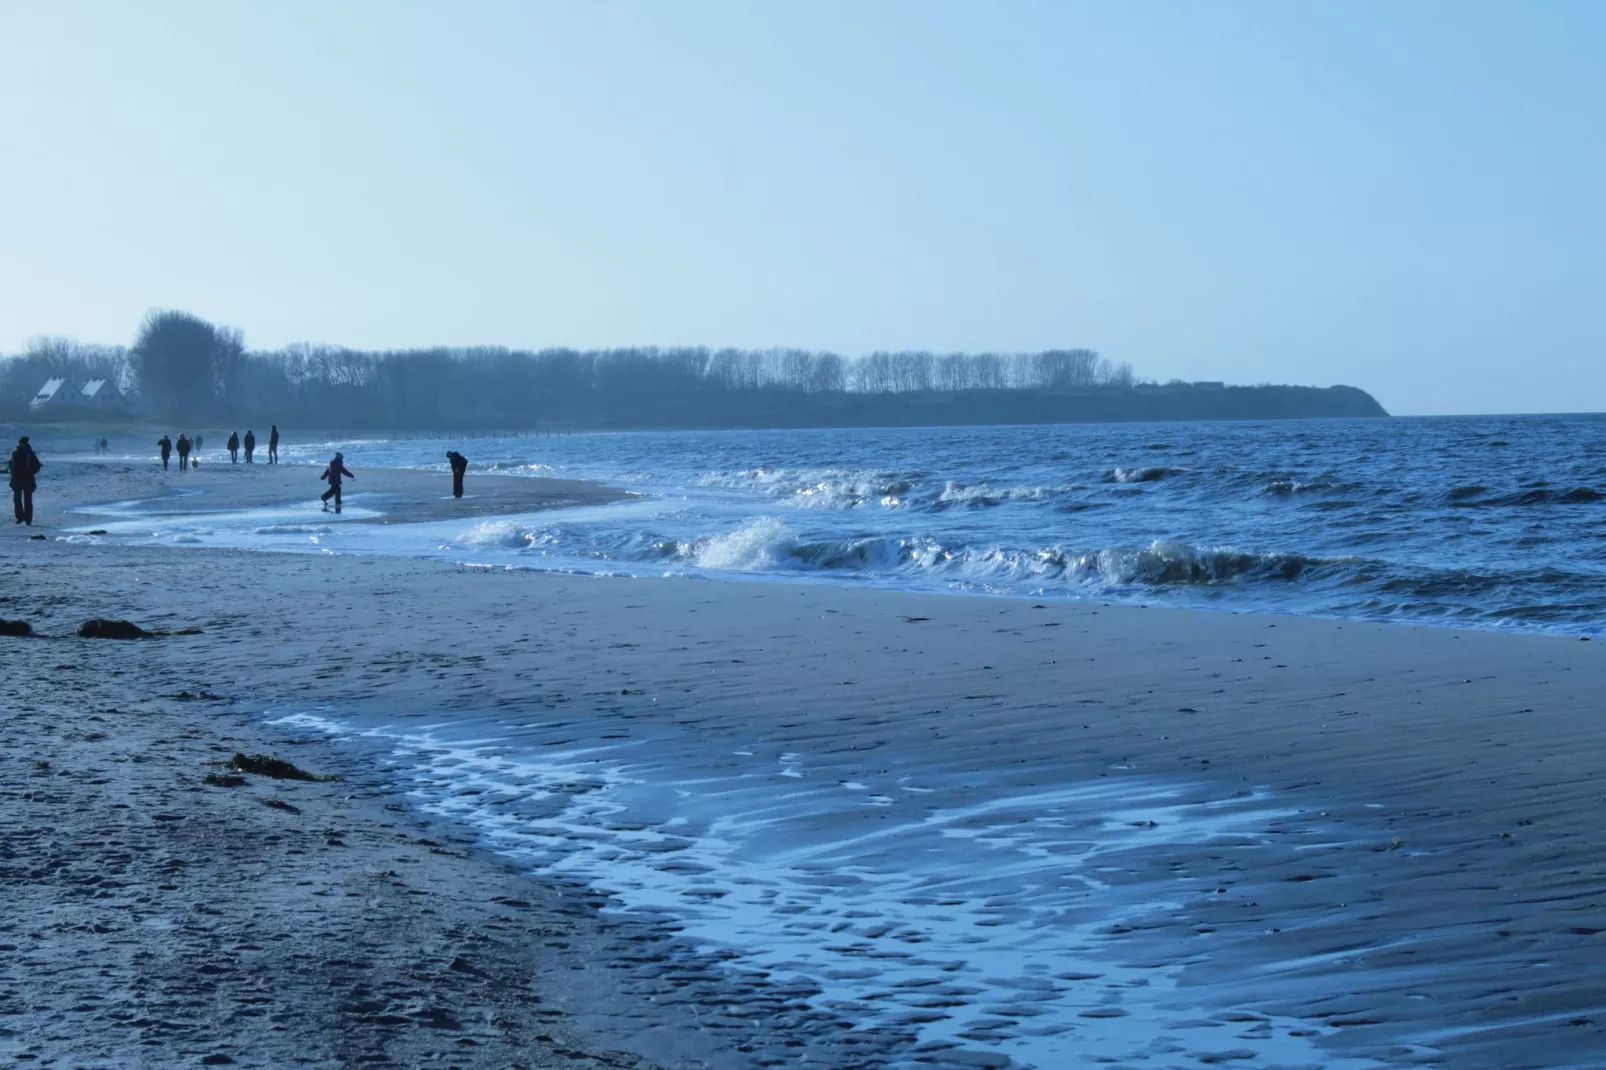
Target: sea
pixel 1485 522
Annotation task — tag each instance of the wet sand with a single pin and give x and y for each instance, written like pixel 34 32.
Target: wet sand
pixel 1433 889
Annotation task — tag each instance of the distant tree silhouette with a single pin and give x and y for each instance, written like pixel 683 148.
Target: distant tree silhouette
pixel 187 367
pixel 190 369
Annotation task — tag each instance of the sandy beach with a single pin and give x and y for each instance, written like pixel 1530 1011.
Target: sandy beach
pixel 1413 874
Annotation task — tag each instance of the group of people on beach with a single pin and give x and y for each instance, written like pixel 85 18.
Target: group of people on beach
pixel 250 444
pixel 187 448
pixel 24 467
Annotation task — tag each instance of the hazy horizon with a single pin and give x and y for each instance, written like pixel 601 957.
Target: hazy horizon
pixel 1402 200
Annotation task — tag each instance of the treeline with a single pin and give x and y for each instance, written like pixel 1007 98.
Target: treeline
pixel 622 387
pixel 185 370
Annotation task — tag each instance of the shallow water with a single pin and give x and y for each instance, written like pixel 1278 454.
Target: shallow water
pixel 1485 521
pixel 930 901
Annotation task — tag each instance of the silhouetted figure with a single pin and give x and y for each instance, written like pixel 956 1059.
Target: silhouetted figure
pixel 24 468
pixel 336 469
pixel 234 447
pixel 165 444
pixel 183 452
pixel 273 444
pixel 459 465
pixel 250 444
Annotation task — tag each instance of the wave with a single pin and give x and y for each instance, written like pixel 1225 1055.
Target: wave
pixel 764 544
pixel 507 468
pixel 857 488
pixel 820 488
pixel 1474 496
pixel 498 534
pixel 1282 488
pixel 1146 474
pixel 758 545
pixel 983 495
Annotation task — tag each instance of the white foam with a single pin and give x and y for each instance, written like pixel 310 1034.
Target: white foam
pixel 762 543
pixel 498 533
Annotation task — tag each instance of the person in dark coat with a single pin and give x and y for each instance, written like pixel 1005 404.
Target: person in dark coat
pixel 273 444
pixel 165 444
pixel 183 452
pixel 459 465
pixel 234 447
pixel 24 470
pixel 336 469
pixel 250 444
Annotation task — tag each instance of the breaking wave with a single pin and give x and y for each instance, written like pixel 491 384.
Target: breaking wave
pixel 765 544
pixel 820 488
pixel 498 533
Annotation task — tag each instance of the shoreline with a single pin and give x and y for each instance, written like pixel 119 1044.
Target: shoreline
pixel 1476 748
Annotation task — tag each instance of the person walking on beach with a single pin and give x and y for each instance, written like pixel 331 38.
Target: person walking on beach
pixel 183 452
pixel 459 465
pixel 165 444
pixel 250 444
pixel 24 472
pixel 336 469
pixel 273 444
pixel 234 447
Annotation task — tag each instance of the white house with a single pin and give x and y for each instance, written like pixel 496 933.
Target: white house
pixel 51 391
pixel 99 394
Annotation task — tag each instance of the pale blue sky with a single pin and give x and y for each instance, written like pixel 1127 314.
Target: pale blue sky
pixel 1405 197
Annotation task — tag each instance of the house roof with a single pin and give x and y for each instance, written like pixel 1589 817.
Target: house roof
pixel 48 391
pixel 92 389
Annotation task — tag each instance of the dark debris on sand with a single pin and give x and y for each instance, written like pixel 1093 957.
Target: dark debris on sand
pixel 269 766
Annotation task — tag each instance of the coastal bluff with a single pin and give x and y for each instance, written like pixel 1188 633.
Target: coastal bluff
pixel 1137 404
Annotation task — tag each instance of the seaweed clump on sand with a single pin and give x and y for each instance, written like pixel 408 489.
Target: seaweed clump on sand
pixel 269 766
pixel 15 627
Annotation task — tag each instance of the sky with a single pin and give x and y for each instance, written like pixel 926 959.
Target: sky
pixel 1409 198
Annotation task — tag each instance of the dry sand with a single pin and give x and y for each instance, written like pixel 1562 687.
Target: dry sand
pixel 1439 897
